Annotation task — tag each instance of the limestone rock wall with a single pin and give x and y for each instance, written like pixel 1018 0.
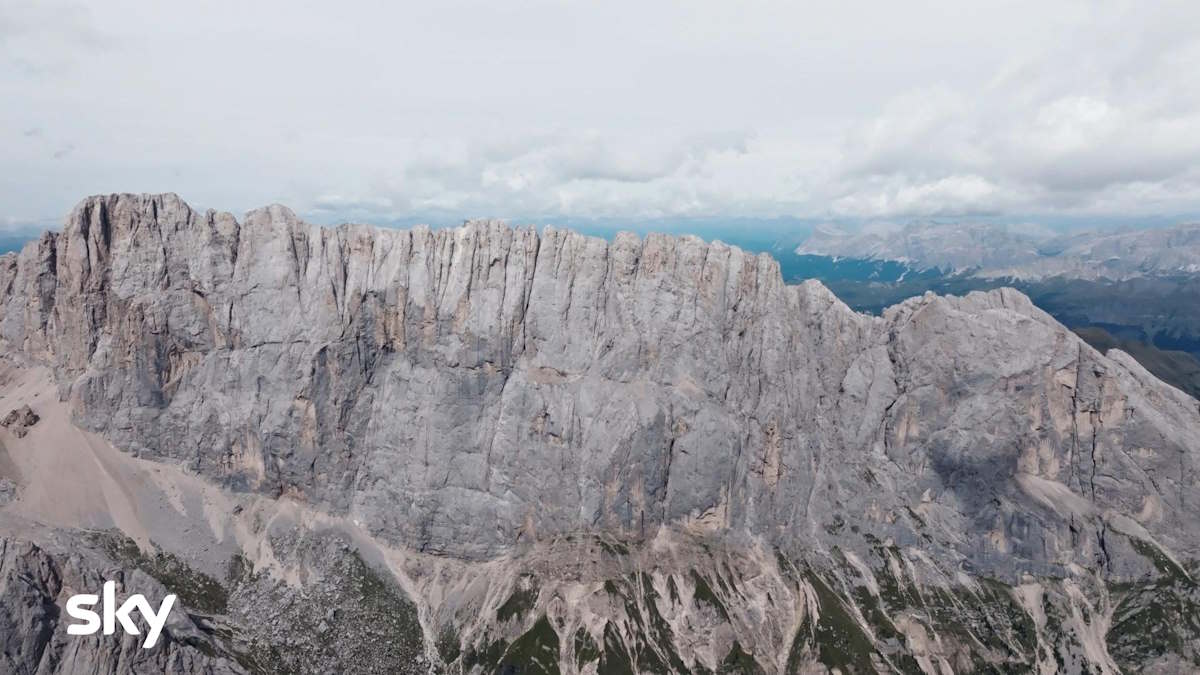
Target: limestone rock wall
pixel 468 390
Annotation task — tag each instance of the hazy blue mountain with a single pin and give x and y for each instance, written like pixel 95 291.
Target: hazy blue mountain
pixel 1019 251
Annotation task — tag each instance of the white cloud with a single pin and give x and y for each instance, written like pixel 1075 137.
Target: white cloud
pixel 537 108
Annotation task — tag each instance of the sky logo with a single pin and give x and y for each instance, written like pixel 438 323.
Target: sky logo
pixel 111 614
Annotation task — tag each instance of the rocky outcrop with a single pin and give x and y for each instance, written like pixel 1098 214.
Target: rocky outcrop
pixel 18 420
pixel 477 392
pixel 34 584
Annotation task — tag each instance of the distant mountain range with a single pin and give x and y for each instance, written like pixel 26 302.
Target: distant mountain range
pixel 1018 251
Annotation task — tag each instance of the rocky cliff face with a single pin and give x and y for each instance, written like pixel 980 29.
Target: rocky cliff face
pixel 745 475
pixel 36 578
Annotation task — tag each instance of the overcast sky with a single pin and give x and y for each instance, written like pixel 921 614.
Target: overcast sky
pixel 633 110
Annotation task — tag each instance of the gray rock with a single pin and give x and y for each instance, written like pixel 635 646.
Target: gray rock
pixel 34 586
pixel 20 417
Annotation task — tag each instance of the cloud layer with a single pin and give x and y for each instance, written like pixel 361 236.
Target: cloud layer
pixel 617 110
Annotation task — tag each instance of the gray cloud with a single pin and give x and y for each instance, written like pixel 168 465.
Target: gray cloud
pixel 45 37
pixel 536 108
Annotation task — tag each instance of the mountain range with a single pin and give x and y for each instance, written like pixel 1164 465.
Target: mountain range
pixel 489 449
pixel 1020 252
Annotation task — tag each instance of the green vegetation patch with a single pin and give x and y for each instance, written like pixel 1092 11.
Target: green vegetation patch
pixel 738 662
pixel 586 650
pixel 522 600
pixel 196 590
pixel 1155 617
pixel 837 638
pixel 704 594
pixel 534 653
